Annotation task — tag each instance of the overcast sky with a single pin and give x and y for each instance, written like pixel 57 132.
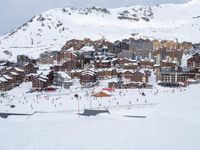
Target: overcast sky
pixel 14 13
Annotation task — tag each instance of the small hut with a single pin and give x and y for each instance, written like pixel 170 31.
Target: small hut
pixel 102 94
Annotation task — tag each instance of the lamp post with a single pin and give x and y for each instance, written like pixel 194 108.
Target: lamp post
pixel 78 105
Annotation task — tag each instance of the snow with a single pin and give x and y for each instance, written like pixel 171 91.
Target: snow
pixel 172 121
pixel 14 73
pixel 88 73
pixel 169 21
pixel 128 71
pixel 44 72
pixel 184 59
pixel 18 69
pixel 42 79
pixel 2 79
pixel 87 49
pixel 64 75
pixel 103 61
pixel 172 114
pixel 7 77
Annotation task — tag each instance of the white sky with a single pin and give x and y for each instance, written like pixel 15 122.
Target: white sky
pixel 14 13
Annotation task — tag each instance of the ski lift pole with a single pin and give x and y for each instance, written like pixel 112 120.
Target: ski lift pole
pixel 78 107
pixel 90 102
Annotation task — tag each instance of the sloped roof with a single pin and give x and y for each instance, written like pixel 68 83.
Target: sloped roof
pixel 87 49
pixel 64 75
pixel 138 73
pixel 14 73
pixel 42 79
pixel 127 71
pixel 89 72
pixel 19 69
pixel 7 77
pixel 2 79
pixel 102 93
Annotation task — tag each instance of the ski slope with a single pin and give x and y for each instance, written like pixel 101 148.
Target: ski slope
pixel 172 120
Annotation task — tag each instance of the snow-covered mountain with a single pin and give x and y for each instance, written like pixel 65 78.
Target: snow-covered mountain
pixel 51 29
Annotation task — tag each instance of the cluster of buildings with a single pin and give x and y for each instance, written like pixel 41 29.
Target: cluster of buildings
pixel 174 75
pixel 13 74
pixel 129 48
pixel 130 62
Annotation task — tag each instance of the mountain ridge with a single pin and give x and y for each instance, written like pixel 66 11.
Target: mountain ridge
pixel 51 29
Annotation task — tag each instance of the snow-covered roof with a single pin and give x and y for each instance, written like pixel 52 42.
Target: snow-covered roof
pixel 174 62
pixel 123 71
pixel 105 69
pixel 43 76
pixel 9 68
pixel 3 63
pixel 71 49
pixel 103 61
pixel 26 64
pixel 114 59
pixel 167 61
pixel 42 79
pixel 19 69
pixel 2 79
pixel 132 82
pixel 131 60
pixel 105 47
pixel 31 74
pixel 140 72
pixel 73 71
pixel 87 49
pixel 156 65
pixel 2 67
pixel 100 69
pixel 88 72
pixel 159 81
pixel 14 73
pixel 7 77
pixel 43 72
pixel 130 64
pixel 64 75
pixel 110 69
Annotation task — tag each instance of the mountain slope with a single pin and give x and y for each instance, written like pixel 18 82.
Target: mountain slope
pixel 51 29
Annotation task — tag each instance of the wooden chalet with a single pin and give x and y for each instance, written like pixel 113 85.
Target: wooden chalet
pixel 106 73
pixel 67 66
pixel 67 55
pixel 25 59
pixel 194 62
pixel 40 83
pixel 29 68
pixel 102 63
pixel 165 63
pixel 131 76
pixel 4 84
pixel 146 63
pixel 88 77
pixel 131 66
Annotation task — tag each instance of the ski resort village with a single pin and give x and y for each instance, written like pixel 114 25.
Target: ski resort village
pixel 99 79
pixel 100 68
